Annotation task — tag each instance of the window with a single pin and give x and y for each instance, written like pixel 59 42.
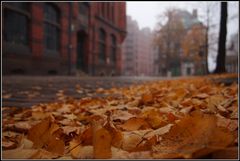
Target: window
pixel 113 49
pixel 188 71
pixel 51 27
pixel 16 20
pixel 102 45
pixel 83 8
pixel 83 14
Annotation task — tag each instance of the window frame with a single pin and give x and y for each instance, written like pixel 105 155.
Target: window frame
pixel 113 55
pixel 54 24
pixel 102 36
pixel 26 13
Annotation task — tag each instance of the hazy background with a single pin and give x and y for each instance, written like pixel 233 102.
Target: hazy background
pixel 146 14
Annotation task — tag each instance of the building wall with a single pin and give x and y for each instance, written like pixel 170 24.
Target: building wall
pixel 137 50
pixel 33 58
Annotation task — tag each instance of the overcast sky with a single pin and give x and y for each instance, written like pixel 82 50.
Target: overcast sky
pixel 146 14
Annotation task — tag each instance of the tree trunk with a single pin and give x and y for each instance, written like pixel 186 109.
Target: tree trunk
pixel 220 68
pixel 206 46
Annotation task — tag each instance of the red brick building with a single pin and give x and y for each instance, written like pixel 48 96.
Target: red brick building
pixel 62 38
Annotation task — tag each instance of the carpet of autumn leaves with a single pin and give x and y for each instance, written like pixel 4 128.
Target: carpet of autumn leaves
pixel 184 118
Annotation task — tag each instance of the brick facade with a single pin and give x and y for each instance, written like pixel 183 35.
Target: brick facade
pixel 77 43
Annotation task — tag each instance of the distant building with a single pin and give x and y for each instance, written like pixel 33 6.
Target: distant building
pixel 129 48
pixel 232 54
pixel 194 63
pixel 137 50
pixel 176 62
pixel 63 38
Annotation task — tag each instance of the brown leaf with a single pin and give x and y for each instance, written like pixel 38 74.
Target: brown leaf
pixel 192 134
pixel 55 146
pixel 7 144
pixel 18 153
pixel 116 134
pixel 156 119
pixel 201 95
pixel 43 154
pixel 87 136
pixel 102 144
pixel 40 115
pixel 36 132
pixel 227 153
pixel 133 139
pixel 80 152
pixel 147 98
pixel 135 124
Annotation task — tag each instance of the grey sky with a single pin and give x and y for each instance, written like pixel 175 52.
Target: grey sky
pixel 146 14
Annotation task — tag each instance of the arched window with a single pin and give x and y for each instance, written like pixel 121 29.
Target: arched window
pixel 113 49
pixel 16 20
pixel 51 27
pixel 102 45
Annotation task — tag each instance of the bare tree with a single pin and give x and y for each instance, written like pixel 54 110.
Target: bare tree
pixel 208 16
pixel 220 68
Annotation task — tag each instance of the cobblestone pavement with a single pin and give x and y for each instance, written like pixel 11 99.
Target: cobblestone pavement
pixel 25 91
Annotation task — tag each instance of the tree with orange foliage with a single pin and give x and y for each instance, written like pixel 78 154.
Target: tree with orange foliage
pixel 193 45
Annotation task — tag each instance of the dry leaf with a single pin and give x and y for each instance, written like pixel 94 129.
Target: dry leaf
pixel 18 153
pixel 80 152
pixel 56 146
pixel 190 135
pixel 102 144
pixel 7 144
pixel 201 95
pixel 36 132
pixel 147 98
pixel 227 153
pixel 135 124
pixel 43 154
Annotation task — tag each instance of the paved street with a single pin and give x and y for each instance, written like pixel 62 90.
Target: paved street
pixel 25 91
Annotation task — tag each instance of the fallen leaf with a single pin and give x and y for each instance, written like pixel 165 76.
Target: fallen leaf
pixel 56 146
pixel 201 95
pixel 7 144
pixel 43 154
pixel 18 153
pixel 80 152
pixel 190 135
pixel 147 98
pixel 135 124
pixel 102 144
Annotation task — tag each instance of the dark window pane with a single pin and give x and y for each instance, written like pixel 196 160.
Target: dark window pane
pixel 113 49
pixel 19 5
pixel 51 31
pixel 51 37
pixel 51 13
pixel 15 27
pixel 102 51
pixel 102 48
pixel 102 35
pixel 83 8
